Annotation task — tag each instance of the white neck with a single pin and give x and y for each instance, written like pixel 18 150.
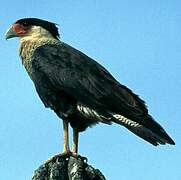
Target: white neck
pixel 37 32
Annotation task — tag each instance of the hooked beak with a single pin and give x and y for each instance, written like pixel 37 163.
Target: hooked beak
pixel 10 33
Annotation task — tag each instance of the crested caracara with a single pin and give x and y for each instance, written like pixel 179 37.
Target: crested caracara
pixel 77 88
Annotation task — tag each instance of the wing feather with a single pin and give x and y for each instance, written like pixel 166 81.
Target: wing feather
pixel 85 79
pixel 82 78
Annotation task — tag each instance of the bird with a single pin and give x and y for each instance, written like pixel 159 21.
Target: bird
pixel 77 88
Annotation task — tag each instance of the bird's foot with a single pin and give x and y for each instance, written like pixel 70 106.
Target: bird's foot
pixel 66 154
pixel 77 156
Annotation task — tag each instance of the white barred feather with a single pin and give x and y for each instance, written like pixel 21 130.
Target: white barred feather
pixel 92 114
pixel 88 112
pixel 126 121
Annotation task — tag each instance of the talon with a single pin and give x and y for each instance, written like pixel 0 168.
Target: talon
pixel 77 156
pixel 84 159
pixel 66 154
pixel 61 155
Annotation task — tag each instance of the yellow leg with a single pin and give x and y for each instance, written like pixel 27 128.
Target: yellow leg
pixel 66 137
pixel 66 149
pixel 75 141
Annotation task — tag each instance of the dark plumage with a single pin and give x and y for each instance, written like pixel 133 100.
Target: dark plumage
pixel 79 79
pixel 80 90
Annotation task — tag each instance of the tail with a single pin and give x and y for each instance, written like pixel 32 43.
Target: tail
pixel 150 130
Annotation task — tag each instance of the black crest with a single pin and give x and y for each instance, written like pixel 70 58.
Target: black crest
pixel 49 26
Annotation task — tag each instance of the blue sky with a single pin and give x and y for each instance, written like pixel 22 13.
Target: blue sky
pixel 139 43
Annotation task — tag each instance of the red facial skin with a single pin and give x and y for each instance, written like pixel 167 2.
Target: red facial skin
pixel 20 29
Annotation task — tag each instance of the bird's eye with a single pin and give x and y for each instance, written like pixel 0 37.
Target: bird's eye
pixel 25 24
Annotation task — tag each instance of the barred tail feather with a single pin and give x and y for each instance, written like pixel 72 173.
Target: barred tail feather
pixel 145 133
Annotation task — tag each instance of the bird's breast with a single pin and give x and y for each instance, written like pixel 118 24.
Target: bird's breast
pixel 26 51
pixel 28 47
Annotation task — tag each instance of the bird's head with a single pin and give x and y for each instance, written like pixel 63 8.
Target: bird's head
pixel 28 27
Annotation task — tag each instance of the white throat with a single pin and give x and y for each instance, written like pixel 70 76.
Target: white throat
pixel 36 32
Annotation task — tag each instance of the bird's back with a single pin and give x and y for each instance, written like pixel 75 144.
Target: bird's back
pixel 77 87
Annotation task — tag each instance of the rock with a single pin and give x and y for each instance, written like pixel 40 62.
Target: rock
pixel 67 168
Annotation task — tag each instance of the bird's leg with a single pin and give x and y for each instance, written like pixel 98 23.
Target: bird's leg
pixel 74 152
pixel 66 148
pixel 75 141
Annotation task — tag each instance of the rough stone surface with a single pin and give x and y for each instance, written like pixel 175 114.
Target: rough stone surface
pixel 70 168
